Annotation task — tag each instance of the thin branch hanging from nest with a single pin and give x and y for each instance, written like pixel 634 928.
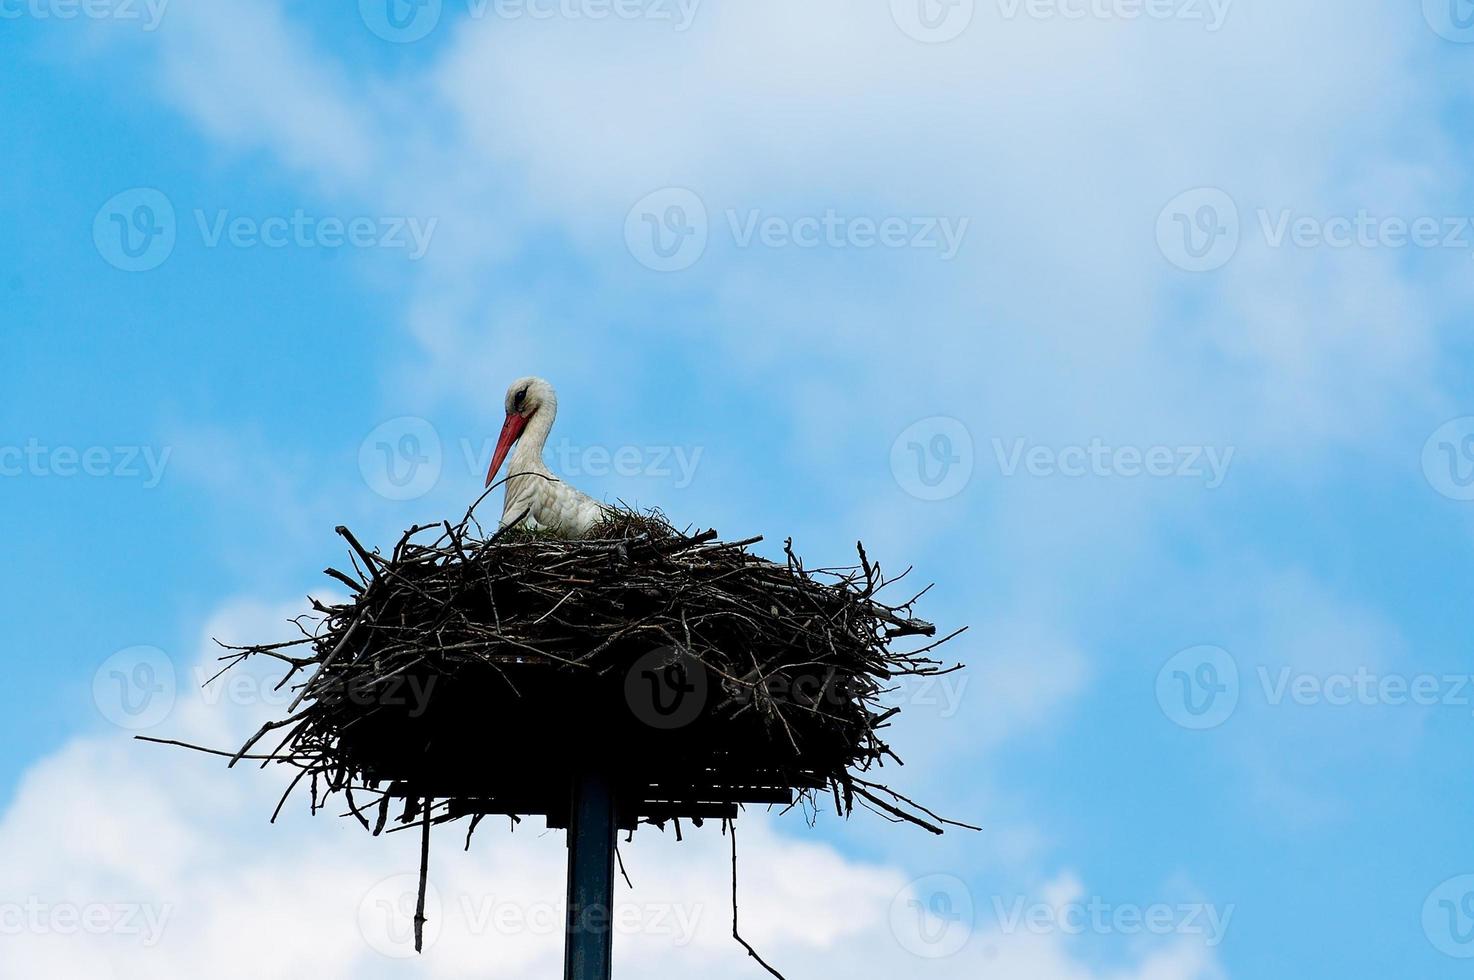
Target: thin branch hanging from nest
pixel 468 675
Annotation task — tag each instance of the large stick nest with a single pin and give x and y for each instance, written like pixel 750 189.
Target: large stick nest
pixel 469 675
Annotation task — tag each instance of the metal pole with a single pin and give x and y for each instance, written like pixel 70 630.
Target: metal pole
pixel 588 949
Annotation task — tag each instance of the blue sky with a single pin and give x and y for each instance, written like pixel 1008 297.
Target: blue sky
pixel 1141 329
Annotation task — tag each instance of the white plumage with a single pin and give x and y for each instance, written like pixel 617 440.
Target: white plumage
pixel 534 495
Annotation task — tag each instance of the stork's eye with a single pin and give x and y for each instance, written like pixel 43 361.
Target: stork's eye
pixel 520 397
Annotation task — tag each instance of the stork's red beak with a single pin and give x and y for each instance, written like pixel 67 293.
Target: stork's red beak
pixel 511 429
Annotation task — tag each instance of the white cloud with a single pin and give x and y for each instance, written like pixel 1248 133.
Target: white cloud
pixel 1054 137
pixel 251 81
pixel 1060 140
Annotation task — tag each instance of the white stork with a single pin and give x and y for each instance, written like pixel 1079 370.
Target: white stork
pixel 534 495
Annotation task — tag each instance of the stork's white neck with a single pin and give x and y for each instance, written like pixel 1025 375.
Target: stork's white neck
pixel 528 453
